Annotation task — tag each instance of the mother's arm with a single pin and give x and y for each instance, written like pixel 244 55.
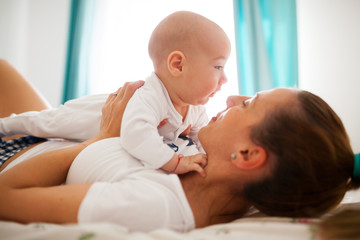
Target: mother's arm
pixel 32 190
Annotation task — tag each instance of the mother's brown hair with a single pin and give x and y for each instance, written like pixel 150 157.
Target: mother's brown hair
pixel 311 159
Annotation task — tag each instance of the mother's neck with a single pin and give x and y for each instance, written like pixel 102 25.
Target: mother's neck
pixel 211 202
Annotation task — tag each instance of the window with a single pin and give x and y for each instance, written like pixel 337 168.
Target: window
pixel 123 29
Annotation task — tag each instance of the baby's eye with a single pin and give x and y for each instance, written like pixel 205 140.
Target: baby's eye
pixel 219 67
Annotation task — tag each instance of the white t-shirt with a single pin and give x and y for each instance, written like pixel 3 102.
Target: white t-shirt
pixel 148 106
pixel 126 192
pixel 79 120
pixel 40 148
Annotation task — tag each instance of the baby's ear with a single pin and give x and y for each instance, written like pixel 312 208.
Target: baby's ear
pixel 175 63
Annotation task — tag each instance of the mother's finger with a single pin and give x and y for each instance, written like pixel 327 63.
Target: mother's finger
pixel 131 88
pixel 128 89
pixel 111 97
pixel 120 92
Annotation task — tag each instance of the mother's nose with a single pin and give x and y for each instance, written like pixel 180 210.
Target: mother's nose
pixel 235 100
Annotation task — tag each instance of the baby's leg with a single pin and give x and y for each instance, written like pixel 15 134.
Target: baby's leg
pixel 16 94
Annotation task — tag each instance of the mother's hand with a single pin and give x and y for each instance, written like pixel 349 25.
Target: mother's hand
pixel 114 107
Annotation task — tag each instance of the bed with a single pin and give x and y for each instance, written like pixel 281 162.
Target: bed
pixel 253 227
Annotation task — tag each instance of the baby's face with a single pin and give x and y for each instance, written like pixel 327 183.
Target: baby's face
pixel 205 74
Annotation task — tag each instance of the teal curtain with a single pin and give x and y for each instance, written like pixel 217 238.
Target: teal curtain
pixel 266 44
pixel 82 14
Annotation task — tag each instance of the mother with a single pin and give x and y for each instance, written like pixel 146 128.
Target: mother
pixel 283 151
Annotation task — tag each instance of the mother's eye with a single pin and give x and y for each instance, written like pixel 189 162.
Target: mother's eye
pixel 245 102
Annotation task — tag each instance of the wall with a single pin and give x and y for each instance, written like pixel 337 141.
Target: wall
pixel 33 39
pixel 34 36
pixel 329 57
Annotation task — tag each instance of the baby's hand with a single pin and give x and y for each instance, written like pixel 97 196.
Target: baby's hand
pixel 192 163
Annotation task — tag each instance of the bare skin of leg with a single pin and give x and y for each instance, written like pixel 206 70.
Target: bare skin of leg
pixel 17 96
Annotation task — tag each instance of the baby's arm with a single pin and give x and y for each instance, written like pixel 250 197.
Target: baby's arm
pixel 140 136
pixel 182 164
pixel 77 119
pixel 139 133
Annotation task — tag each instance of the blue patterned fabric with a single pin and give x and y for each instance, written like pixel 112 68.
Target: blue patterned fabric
pixel 11 147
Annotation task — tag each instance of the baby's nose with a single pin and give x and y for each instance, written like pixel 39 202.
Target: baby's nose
pixel 223 79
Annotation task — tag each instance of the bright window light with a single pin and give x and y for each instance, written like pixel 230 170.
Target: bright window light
pixel 123 29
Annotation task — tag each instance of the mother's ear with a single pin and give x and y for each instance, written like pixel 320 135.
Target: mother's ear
pixel 175 63
pixel 250 158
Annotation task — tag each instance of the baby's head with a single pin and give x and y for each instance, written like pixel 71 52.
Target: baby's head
pixel 189 53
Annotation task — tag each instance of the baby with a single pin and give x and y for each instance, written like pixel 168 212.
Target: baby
pixel 189 53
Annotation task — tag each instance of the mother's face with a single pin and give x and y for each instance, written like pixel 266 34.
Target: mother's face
pixel 232 126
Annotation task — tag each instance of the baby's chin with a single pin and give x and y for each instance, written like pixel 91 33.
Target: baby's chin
pixel 200 102
pixel 204 100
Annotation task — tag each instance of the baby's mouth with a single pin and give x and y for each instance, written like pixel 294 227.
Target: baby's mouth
pixel 213 119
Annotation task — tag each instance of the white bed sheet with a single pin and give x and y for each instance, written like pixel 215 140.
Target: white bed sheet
pixel 269 228
pixel 263 228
